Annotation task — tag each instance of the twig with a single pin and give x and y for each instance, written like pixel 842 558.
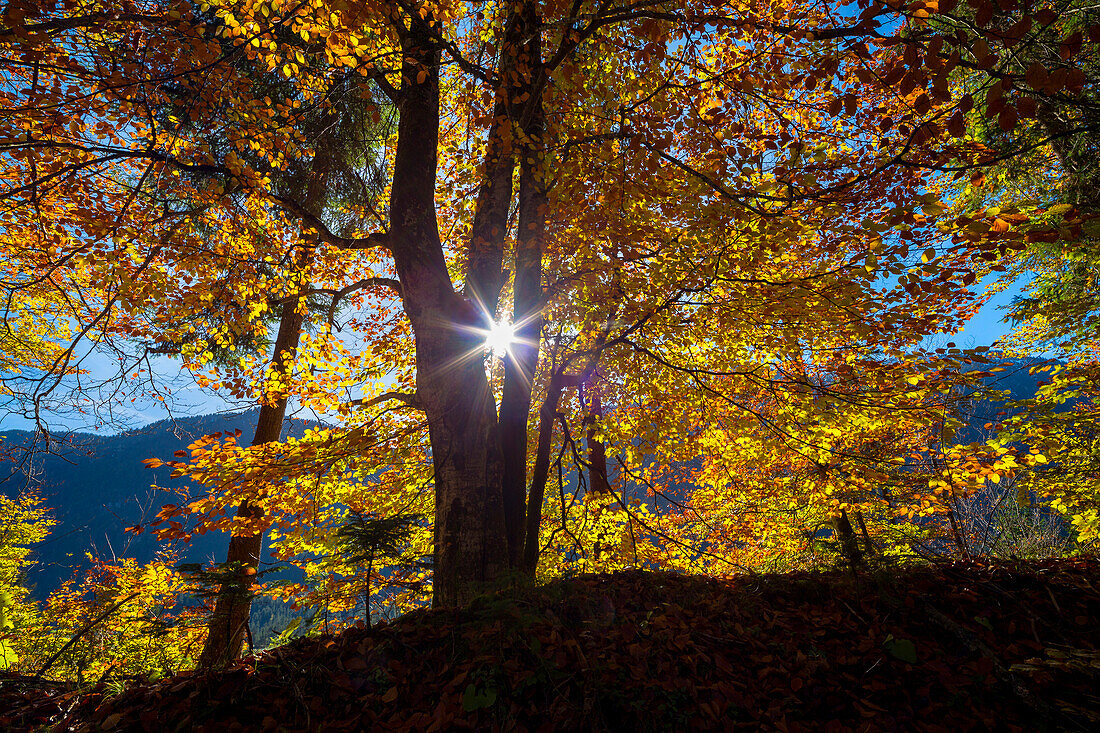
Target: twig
pixel 87 627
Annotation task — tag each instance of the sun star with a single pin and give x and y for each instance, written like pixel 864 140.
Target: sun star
pixel 499 338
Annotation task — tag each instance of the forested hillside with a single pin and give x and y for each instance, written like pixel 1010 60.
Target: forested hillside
pixel 98 486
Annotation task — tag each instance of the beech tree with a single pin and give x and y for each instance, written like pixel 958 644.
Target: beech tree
pixel 1028 103
pixel 707 221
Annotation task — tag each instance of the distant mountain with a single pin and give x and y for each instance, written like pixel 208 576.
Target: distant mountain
pixel 98 486
pixel 1014 378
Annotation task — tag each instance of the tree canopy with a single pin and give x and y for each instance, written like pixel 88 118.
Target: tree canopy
pixel 712 237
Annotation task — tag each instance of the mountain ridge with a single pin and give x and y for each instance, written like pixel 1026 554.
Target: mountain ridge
pixel 99 485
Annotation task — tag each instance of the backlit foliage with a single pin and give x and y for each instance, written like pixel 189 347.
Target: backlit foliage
pixel 724 233
pixel 121 620
pixel 23 522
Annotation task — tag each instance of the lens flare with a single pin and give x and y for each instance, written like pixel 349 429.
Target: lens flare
pixel 499 338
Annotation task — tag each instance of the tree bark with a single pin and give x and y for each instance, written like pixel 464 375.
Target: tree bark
pixel 960 543
pixel 485 252
pixel 229 621
pixel 470 547
pixel 540 472
pixel 868 545
pixel 849 545
pixel 597 451
pixel 519 367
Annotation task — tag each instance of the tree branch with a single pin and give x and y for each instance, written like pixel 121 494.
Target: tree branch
pixel 338 295
pixel 371 241
pixel 409 398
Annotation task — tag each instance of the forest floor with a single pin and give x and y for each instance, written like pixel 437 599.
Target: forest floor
pixel 948 647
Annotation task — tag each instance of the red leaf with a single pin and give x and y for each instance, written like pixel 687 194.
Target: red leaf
pixel 1027 107
pixel 956 124
pixel 1057 80
pixel 1071 46
pixel 984 14
pixel 1036 75
pixel 1075 80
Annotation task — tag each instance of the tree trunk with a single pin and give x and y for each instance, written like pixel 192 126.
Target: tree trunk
pixel 519 367
pixel 960 543
pixel 597 451
pixel 539 473
pixel 849 545
pixel 470 545
pixel 868 545
pixel 229 622
pixel 485 251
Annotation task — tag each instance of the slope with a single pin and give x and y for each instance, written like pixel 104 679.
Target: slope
pixel 955 646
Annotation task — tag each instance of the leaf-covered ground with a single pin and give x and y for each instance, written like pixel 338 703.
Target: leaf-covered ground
pixel 960 646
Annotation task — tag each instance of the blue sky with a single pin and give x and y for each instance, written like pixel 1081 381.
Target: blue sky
pixel 987 326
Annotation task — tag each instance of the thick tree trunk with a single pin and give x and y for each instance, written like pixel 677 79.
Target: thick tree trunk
pixel 229 622
pixel 470 546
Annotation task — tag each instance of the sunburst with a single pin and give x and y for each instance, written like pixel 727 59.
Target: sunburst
pixel 499 338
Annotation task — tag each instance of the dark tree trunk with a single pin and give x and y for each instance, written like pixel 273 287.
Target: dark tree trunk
pixel 868 545
pixel 849 545
pixel 470 546
pixel 485 252
pixel 229 622
pixel 960 543
pixel 597 451
pixel 539 473
pixel 519 368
